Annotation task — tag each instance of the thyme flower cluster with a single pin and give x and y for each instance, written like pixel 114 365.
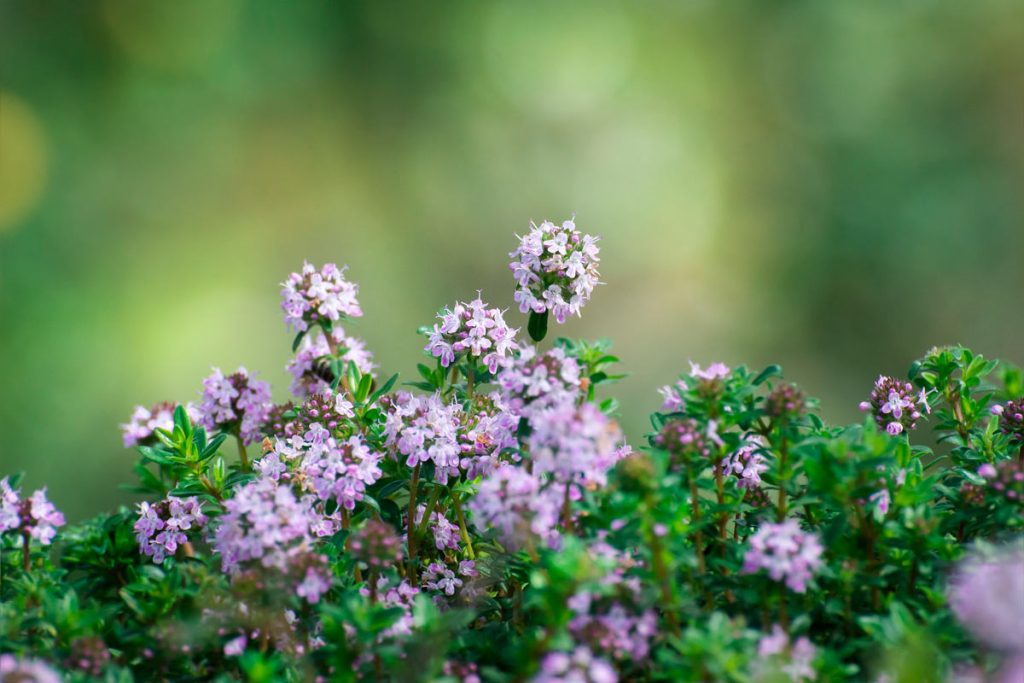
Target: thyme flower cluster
pixel 474 330
pixel 894 405
pixel 491 521
pixel 555 269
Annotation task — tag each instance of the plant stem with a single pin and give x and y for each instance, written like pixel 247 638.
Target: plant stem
pixel 24 552
pixel 243 454
pixel 410 532
pixel 429 510
pixel 783 452
pixel 463 531
pixel 470 378
pixel 662 574
pixel 698 537
pixel 723 516
pixel 567 511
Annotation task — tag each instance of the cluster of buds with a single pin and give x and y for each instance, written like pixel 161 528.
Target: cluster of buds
pixel 894 405
pixel 282 421
pixel 318 297
pixel 34 517
pixel 784 403
pixel 1006 478
pixel 1011 418
pixel 89 655
pixel 474 330
pixel 237 404
pixel 376 544
pixel 326 409
pixel 685 439
pixel 160 529
pixel 555 268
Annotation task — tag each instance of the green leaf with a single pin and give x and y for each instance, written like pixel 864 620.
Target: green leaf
pixel 770 371
pixel 538 326
pixel 298 340
pixel 384 389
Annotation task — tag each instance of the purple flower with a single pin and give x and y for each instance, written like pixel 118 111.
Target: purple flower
pixel 687 440
pixel 376 544
pixel 486 430
pixel 575 445
pixel 34 517
pixel 747 463
pixel 140 430
pixel 986 594
pixel 555 268
pixel 304 367
pixel 510 501
pixel 236 646
pixel 440 578
pixel 578 666
pixel 786 552
pixel 672 396
pixel 713 372
pixel 314 584
pixel 778 655
pixel 264 523
pixel 318 296
pixel 472 330
pixel 423 428
pixel 340 470
pixel 539 380
pixel 237 404
pixel 894 405
pixel 161 527
pixel 26 670
pixel 1011 419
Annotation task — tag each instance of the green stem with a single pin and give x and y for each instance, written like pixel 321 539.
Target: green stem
pixel 698 537
pixel 25 552
pixel 783 475
pixel 470 378
pixel 463 531
pixel 431 504
pixel 411 526
pixel 243 453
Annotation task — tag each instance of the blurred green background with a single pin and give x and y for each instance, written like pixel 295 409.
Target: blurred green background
pixel 832 186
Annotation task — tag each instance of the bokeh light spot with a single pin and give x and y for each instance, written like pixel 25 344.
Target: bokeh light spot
pixel 24 160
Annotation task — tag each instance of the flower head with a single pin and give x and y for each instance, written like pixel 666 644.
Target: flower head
pixel 161 526
pixel 376 544
pixel 423 428
pixel 894 405
pixel 747 463
pixel 238 404
pixel 318 296
pixel 1011 419
pixel 555 268
pixel 472 330
pixel 264 523
pixel 511 501
pixel 34 517
pixel 539 380
pixel 786 552
pixel 26 670
pixel 986 594
pixel 687 439
pixel 578 666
